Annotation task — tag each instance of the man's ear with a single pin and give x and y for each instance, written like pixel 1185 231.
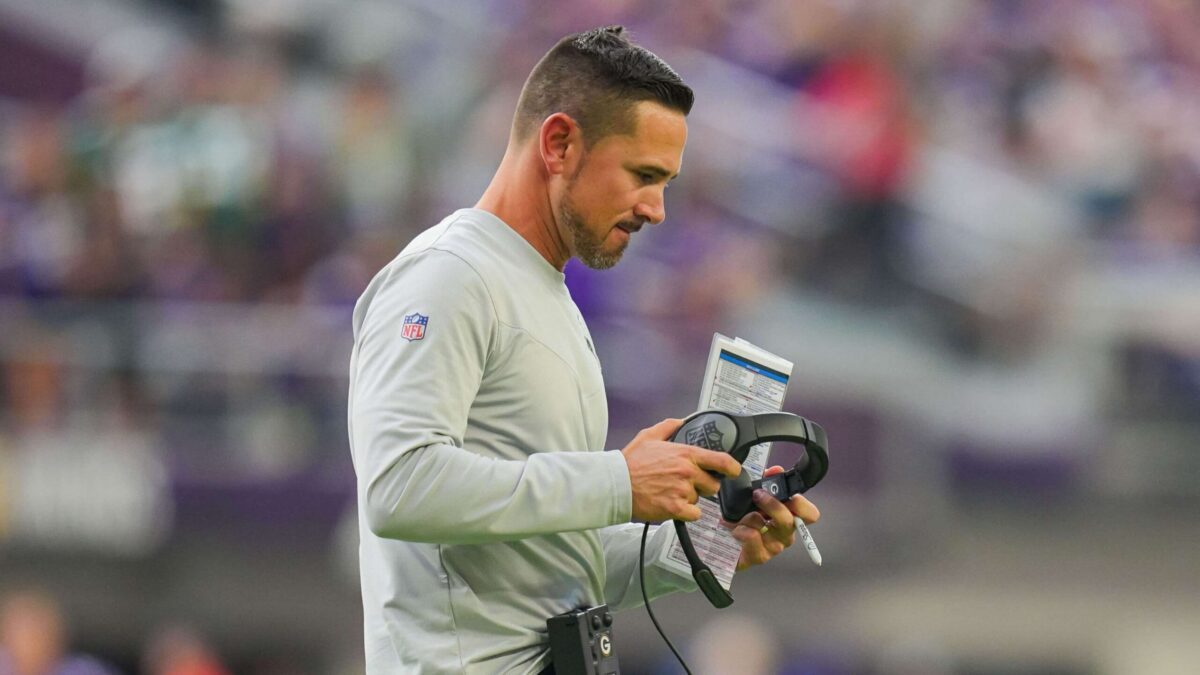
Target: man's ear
pixel 560 144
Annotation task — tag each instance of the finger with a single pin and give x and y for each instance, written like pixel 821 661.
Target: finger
pixel 773 471
pixel 748 536
pixel 806 510
pixel 688 512
pixel 754 551
pixel 757 546
pixel 704 482
pixel 779 536
pixel 753 520
pixel 663 430
pixel 774 510
pixel 716 461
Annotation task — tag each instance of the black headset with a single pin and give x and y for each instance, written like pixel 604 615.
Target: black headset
pixel 736 434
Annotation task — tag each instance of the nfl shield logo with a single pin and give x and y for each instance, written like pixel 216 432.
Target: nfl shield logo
pixel 708 437
pixel 414 327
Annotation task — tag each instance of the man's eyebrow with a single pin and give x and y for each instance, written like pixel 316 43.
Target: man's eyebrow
pixel 658 171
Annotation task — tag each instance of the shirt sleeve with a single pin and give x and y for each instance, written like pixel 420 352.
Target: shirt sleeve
pixel 622 585
pixel 410 398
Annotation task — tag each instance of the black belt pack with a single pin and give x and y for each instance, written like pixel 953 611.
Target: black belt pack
pixel 581 642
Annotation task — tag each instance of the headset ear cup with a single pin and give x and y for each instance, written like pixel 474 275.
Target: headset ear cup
pixel 813 465
pixel 736 497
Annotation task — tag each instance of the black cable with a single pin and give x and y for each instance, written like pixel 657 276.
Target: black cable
pixel 646 599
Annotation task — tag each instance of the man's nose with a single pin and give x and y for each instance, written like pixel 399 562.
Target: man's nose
pixel 654 211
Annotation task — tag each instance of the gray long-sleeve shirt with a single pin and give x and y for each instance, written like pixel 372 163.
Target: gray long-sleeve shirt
pixel 477 420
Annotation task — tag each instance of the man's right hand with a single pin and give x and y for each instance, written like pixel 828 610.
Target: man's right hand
pixel 668 478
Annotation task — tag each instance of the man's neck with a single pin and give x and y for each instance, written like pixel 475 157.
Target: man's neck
pixel 518 196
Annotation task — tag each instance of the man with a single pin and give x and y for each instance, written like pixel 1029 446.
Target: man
pixel 477 407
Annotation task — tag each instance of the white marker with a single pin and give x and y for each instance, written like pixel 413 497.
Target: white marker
pixel 809 544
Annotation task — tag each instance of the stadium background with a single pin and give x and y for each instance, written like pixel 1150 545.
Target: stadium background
pixel 973 225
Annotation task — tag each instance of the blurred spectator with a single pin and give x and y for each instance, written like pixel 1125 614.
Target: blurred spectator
pixel 757 653
pixel 373 163
pixel 180 651
pixel 33 639
pixel 32 390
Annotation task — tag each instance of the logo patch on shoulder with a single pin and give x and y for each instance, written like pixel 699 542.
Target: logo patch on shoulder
pixel 414 327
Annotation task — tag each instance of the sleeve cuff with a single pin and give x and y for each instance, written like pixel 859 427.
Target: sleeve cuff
pixel 622 491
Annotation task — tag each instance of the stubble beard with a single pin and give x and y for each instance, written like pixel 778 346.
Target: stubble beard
pixel 588 248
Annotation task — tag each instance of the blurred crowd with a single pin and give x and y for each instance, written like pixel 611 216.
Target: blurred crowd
pixel 269 159
pixel 35 640
pixel 263 156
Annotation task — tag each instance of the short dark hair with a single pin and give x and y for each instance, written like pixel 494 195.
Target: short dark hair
pixel 596 77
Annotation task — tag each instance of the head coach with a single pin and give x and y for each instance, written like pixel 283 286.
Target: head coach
pixel 477 409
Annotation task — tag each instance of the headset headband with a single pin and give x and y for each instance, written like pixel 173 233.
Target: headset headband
pixel 751 430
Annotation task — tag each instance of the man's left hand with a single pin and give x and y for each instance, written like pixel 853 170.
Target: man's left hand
pixel 770 529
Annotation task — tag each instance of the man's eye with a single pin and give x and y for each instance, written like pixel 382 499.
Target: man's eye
pixel 645 177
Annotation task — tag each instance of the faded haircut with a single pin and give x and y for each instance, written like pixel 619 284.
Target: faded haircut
pixel 596 77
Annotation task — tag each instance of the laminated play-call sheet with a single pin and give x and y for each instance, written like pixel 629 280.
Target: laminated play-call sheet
pixel 741 379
